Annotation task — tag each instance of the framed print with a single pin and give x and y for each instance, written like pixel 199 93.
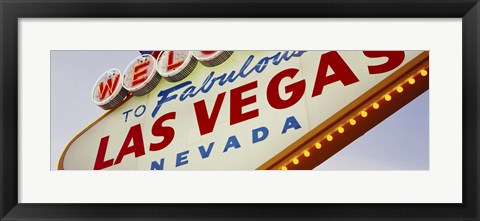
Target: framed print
pixel 318 110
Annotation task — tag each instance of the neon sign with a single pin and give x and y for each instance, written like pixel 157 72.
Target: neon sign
pixel 108 91
pixel 140 76
pixel 266 109
pixel 143 74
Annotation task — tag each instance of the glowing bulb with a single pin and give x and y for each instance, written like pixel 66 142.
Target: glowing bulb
pixel 376 105
pixel 295 161
pixel 424 72
pixel 353 122
pixel 364 113
pixel 318 145
pixel 399 89
pixel 329 137
pixel 306 153
pixel 341 129
pixel 65 147
pixel 284 168
pixel 57 164
pixel 388 97
pixel 411 81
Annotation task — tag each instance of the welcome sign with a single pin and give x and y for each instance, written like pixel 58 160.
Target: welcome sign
pixel 242 110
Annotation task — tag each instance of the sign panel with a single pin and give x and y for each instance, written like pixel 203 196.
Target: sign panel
pixel 140 76
pixel 248 110
pixel 108 91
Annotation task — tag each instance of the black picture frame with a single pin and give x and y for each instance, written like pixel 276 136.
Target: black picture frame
pixel 12 10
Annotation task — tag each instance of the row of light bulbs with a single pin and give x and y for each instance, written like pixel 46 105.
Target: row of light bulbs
pixel 363 113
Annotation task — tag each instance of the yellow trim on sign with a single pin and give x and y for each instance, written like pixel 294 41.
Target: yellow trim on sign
pixel 60 162
pixel 403 78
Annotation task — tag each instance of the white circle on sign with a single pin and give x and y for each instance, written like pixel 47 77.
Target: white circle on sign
pixel 212 58
pixel 139 72
pixel 107 87
pixel 172 63
pixel 206 55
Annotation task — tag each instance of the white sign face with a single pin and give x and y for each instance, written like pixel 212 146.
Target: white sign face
pixel 108 90
pixel 235 116
pixel 212 58
pixel 139 74
pixel 175 65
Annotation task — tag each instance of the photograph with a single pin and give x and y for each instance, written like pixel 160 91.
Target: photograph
pixel 240 110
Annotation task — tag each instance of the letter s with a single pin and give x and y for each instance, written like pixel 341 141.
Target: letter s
pixel 158 129
pixel 395 58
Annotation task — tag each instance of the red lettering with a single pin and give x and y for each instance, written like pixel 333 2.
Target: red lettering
pixel 207 52
pixel 171 63
pixel 111 87
pixel 296 89
pixel 100 162
pixel 237 102
pixel 134 136
pixel 342 73
pixel 139 73
pixel 155 54
pixel 159 130
pixel 207 123
pixel 395 58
